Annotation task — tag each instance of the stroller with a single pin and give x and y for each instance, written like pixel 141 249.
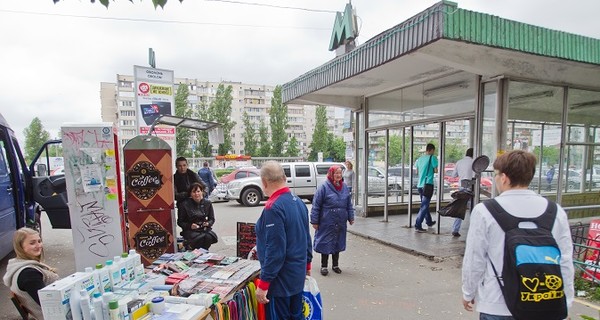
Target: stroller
pixel 457 207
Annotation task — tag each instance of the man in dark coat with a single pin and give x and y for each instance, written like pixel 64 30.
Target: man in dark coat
pixel 283 247
pixel 183 179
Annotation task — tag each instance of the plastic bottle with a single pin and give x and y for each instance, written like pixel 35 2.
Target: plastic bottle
pixel 158 305
pixel 130 264
pixel 113 310
pixel 105 285
pixel 84 304
pixel 106 298
pixel 97 304
pixel 96 278
pixel 137 264
pixel 123 313
pixel 74 303
pixel 115 274
pixel 119 262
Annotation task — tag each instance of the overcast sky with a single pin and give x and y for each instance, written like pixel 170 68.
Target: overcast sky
pixel 54 56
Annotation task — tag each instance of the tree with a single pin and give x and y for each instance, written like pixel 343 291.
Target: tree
pixel 279 123
pixel 35 137
pixel 182 138
pixel 220 111
pixel 203 147
pixel 319 139
pixel 550 154
pixel 337 148
pixel 250 142
pixel 156 3
pixel 263 137
pixel 455 150
pixel 292 148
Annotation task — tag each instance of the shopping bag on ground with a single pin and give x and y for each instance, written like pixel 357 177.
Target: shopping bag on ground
pixel 312 307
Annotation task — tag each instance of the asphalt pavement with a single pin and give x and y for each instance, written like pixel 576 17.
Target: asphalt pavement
pixel 389 270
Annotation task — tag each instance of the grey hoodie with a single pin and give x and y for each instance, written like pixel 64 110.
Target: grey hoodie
pixel 14 268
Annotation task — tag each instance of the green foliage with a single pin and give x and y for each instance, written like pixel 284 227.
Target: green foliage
pixel 263 138
pixel 279 123
pixel 35 137
pixel 203 148
pixel 156 3
pixel 454 150
pixel 182 138
pixel 220 111
pixel 292 148
pixel 319 140
pixel 250 141
pixel 337 148
pixel 550 154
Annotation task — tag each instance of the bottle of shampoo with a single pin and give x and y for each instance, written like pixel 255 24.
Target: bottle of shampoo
pixel 105 285
pixel 84 304
pixel 97 304
pixel 74 303
pixel 114 271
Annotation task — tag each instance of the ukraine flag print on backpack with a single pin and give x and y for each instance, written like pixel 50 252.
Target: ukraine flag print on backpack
pixel 531 279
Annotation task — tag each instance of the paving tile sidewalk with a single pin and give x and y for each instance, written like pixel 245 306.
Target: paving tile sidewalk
pixel 396 233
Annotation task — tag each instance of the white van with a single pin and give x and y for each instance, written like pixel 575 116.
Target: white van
pixel 303 178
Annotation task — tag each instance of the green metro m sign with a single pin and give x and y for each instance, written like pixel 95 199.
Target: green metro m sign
pixel 344 28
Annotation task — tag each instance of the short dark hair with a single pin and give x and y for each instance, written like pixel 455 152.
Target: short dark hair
pixel 180 159
pixel 205 163
pixel 195 186
pixel 469 152
pixel 518 166
pixel 430 147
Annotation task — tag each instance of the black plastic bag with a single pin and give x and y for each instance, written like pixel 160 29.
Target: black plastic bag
pixel 457 207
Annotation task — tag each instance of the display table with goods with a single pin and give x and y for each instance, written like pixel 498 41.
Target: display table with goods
pixel 184 285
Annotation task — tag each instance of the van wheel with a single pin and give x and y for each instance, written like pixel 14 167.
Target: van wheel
pixel 251 197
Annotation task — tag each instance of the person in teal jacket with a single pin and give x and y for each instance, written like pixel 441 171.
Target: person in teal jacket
pixel 283 246
pixel 331 211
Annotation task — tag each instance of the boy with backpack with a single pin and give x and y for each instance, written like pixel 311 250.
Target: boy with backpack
pixel 518 261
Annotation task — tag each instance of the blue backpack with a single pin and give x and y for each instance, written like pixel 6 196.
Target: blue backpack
pixel 531 279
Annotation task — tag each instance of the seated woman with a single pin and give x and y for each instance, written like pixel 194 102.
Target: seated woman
pixel 26 274
pixel 196 216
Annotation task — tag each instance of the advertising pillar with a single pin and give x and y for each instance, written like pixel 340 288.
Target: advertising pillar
pixel 150 199
pixel 92 177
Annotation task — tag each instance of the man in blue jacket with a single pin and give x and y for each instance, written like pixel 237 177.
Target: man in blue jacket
pixel 283 246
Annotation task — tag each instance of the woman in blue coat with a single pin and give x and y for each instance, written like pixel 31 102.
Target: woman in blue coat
pixel 331 209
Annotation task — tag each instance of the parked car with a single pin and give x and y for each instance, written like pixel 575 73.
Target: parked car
pixel 303 178
pixel 377 182
pixel 572 180
pixel 240 173
pixel 594 172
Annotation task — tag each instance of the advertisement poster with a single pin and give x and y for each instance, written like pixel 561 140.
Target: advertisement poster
pixel 150 198
pixel 92 178
pixel 154 97
pixel 592 269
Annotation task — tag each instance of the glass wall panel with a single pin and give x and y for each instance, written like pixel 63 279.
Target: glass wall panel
pixel 360 159
pixel 489 130
pixel 450 95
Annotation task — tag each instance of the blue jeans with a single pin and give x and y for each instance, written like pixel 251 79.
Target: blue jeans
pixel 456 225
pixel 485 316
pixel 423 211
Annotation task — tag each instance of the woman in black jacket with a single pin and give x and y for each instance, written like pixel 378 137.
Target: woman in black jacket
pixel 196 217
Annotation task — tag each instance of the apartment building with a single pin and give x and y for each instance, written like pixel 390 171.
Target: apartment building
pixel 118 106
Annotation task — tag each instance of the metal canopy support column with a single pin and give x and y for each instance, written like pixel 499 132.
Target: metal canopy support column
pixel 386 157
pixel 411 161
pixel 439 182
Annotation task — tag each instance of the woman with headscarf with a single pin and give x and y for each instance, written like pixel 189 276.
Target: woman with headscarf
pixel 27 273
pixel 331 210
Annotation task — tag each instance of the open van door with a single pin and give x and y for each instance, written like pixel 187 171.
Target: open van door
pixel 50 191
pixel 9 193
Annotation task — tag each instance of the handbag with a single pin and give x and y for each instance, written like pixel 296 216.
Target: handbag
pixel 312 306
pixel 428 187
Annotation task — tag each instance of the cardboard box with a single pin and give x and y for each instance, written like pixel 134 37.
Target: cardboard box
pixel 54 298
